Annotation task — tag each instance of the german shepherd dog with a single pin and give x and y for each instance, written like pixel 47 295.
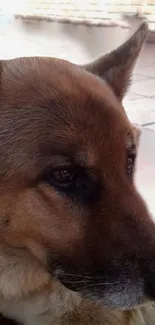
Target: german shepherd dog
pixel 77 243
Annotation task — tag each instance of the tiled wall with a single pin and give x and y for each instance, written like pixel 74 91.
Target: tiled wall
pixel 90 9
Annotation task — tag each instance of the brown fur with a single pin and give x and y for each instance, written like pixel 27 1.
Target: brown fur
pixel 94 235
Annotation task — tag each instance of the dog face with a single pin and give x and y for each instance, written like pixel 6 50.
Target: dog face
pixel 68 204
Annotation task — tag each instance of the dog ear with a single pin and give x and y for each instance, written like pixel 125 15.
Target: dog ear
pixel 116 67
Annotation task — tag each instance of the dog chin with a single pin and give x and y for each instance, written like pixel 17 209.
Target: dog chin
pixel 111 297
pixel 122 293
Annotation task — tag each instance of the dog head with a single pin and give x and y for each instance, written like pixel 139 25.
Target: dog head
pixel 68 204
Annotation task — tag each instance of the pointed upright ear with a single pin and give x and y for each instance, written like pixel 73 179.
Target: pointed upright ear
pixel 116 67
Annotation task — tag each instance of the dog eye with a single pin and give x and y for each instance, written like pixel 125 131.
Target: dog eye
pixel 74 182
pixel 130 164
pixel 62 177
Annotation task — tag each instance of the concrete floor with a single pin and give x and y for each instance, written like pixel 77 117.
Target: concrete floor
pixel 145 174
pixel 140 101
pixel 140 107
pixel 81 45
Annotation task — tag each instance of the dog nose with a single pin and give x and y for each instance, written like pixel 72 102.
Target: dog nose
pixel 150 284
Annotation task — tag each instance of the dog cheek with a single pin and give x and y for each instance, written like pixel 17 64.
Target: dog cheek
pixel 45 224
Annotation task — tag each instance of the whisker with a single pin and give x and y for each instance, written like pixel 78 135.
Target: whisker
pixel 85 280
pixel 83 276
pixel 102 284
pixel 78 281
pixel 78 275
pixel 89 285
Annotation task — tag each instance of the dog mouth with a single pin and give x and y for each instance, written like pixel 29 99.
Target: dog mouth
pixel 82 281
pixel 109 292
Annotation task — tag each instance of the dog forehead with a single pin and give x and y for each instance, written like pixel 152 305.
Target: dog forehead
pixel 49 77
pixel 62 99
pixel 45 113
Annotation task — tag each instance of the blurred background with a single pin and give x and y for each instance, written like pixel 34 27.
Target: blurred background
pixel 80 31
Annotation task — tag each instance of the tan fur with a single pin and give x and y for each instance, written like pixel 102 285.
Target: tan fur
pixel 59 306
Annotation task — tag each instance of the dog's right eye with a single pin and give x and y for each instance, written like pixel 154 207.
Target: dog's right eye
pixel 130 164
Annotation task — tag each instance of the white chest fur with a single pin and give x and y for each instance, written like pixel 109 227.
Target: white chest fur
pixel 66 308
pixel 41 309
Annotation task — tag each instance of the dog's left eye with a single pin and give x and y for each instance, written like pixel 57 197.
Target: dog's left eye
pixel 74 182
pixel 63 177
pixel 130 164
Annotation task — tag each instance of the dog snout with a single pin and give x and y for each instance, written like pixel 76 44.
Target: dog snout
pixel 150 283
